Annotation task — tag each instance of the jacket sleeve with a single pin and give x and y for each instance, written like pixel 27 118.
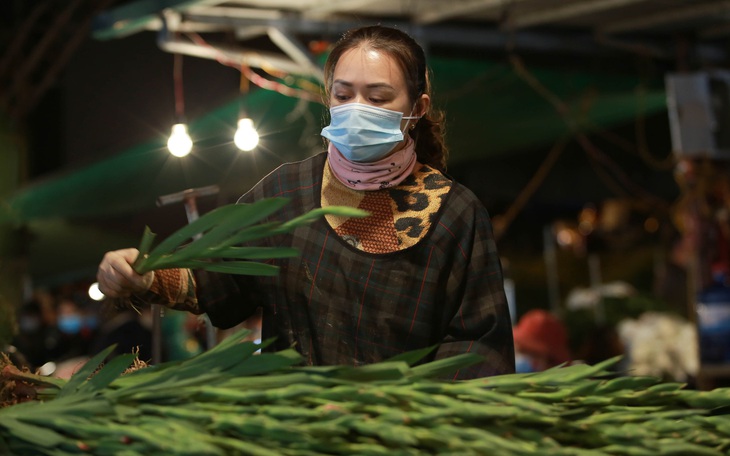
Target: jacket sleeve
pixel 478 320
pixel 218 295
pixel 227 300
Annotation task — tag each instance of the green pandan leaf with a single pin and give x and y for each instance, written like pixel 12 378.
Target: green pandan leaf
pixel 232 267
pixel 240 216
pixel 446 366
pixel 82 375
pixel 219 235
pixel 252 253
pixel 414 356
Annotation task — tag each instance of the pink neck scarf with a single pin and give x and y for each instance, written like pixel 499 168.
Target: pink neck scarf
pixel 387 172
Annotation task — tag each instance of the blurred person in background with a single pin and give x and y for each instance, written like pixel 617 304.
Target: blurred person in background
pixel 32 339
pixel 541 341
pixel 130 331
pixel 72 336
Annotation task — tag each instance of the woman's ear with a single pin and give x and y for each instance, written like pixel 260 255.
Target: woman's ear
pixel 422 105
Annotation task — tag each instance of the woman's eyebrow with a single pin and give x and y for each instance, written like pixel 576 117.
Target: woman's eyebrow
pixel 374 85
pixel 379 85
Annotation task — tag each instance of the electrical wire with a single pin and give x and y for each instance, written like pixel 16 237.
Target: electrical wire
pixel 254 77
pixel 177 77
pixel 244 84
pixel 593 151
pixel 278 87
pixel 618 174
pixel 670 160
pixel 302 83
pixel 503 222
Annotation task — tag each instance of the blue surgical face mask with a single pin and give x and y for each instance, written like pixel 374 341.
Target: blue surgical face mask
pixel 364 133
pixel 69 324
pixel 523 364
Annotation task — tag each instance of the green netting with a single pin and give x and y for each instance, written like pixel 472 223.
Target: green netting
pixel 133 179
pixel 490 111
pixel 493 111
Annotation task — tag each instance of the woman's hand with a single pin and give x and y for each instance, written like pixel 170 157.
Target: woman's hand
pixel 116 277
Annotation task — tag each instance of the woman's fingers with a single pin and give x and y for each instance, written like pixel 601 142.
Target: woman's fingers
pixel 117 278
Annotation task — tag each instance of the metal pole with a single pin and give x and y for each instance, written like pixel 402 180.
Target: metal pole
pixel 551 267
pixel 188 198
pixel 594 272
pixel 191 209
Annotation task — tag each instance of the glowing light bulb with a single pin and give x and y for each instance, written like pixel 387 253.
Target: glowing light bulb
pixel 95 293
pixel 246 137
pixel 180 143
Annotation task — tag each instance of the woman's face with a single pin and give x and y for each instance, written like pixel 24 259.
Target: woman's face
pixel 372 77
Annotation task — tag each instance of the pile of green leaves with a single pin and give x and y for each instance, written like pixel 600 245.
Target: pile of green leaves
pixel 231 401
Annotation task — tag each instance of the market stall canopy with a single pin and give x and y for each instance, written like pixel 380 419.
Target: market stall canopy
pixel 492 113
pixel 491 110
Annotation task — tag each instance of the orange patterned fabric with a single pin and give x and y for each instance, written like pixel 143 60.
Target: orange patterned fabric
pixel 376 233
pixel 175 288
pixel 400 216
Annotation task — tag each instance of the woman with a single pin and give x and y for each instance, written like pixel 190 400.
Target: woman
pixel 421 270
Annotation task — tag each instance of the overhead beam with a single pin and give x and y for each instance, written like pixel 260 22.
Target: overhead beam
pixel 294 49
pixel 451 8
pixel 477 37
pixel 517 20
pixel 463 36
pixel 325 7
pixel 130 18
pixel 168 41
pixel 675 15
pixel 234 12
pixel 185 27
pixel 222 13
pixel 300 60
pixel 232 54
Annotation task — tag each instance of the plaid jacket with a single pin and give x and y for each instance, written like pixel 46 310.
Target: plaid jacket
pixel 339 305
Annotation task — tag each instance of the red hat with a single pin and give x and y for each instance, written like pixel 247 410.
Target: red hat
pixel 539 332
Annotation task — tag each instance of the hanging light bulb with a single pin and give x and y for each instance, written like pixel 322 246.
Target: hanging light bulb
pixel 180 143
pixel 246 137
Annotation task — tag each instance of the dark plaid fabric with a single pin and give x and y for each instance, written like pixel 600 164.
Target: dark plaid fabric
pixel 339 305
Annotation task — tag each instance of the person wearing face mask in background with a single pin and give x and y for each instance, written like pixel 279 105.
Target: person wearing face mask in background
pixel 541 341
pixel 421 270
pixel 72 335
